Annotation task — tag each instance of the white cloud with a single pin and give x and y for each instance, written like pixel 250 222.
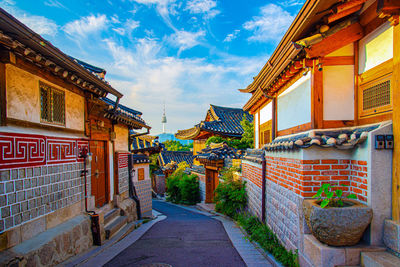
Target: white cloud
pixel 86 25
pixel 289 3
pixel 163 7
pixel 270 25
pixel 185 40
pixel 54 3
pixel 147 77
pixel 131 24
pixel 232 36
pixel 205 7
pixel 39 24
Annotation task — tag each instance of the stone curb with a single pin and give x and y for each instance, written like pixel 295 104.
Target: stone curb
pixel 99 256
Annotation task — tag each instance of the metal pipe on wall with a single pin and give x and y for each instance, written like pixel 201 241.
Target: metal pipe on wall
pixel 263 169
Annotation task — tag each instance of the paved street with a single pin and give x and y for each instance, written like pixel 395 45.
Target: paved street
pixel 185 238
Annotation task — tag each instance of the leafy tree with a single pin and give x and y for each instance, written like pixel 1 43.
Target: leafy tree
pixel 173 145
pixel 153 163
pixel 245 142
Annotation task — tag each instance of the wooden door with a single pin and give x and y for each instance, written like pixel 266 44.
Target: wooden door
pixel 99 172
pixel 212 182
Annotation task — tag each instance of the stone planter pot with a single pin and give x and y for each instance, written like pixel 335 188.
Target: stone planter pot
pixel 337 226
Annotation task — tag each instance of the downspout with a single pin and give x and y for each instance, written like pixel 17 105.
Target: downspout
pixel 132 188
pixel 94 218
pixel 263 169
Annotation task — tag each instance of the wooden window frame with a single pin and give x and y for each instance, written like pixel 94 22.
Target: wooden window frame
pixel 50 102
pixel 141 174
pixel 266 126
pixel 382 72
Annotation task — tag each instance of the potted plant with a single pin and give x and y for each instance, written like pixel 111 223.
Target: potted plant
pixel 334 219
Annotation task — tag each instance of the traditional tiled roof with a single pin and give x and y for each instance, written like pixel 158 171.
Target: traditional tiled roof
pixel 145 143
pixel 198 169
pixel 27 44
pixel 124 114
pixel 218 152
pixel 221 121
pixel 140 158
pixel 167 157
pixel 89 67
pixel 342 138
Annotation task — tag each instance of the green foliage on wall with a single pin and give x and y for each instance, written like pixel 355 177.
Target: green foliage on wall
pixel 172 145
pixel 230 195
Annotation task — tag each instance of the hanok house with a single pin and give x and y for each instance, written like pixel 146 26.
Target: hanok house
pixel 219 121
pixel 326 95
pixel 213 158
pixel 53 108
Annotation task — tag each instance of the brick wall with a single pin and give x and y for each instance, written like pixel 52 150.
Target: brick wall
pixel 290 180
pixel 28 193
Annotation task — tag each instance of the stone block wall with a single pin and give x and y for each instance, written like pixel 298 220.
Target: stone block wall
pixel 159 181
pixel 251 174
pixel 28 193
pixel 143 190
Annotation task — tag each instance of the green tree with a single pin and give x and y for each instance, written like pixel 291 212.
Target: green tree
pixel 173 145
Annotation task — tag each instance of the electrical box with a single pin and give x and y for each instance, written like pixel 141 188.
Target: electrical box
pixel 389 141
pixel 380 141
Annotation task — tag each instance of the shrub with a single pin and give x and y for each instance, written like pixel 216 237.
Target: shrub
pixel 183 188
pixel 264 236
pixel 189 189
pixel 230 195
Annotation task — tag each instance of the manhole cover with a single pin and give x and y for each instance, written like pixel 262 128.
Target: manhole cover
pixel 156 265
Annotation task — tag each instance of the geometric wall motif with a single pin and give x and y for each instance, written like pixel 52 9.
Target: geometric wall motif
pixel 28 150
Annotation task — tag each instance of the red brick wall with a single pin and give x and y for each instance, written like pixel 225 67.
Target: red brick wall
pixel 304 177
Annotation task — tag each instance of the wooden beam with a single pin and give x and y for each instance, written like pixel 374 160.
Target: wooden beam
pixel 295 129
pixel 337 61
pixel 335 41
pixel 344 13
pixel 3 95
pixel 317 99
pixel 396 125
pixel 274 113
pixel 356 69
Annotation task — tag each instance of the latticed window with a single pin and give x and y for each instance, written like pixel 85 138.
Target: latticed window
pixel 52 105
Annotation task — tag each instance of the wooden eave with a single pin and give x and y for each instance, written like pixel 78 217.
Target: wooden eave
pixel 22 41
pixel 307 16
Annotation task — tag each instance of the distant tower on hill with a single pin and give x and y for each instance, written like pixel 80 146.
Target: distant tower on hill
pixel 164 120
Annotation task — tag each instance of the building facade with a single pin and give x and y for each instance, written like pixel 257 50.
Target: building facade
pixel 320 103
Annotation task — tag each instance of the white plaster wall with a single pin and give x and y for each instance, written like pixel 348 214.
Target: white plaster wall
pixel 121 138
pixel 347 50
pixel 111 164
pixel 146 171
pixel 256 130
pixel 338 90
pixel 266 113
pixel 23 99
pixel 294 104
pixel 376 48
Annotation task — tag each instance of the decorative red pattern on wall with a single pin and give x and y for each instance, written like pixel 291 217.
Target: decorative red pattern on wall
pixel 27 150
pixel 122 159
pixel 304 177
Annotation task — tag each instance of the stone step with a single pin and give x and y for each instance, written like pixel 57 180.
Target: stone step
pixel 111 215
pixel 115 225
pixel 379 259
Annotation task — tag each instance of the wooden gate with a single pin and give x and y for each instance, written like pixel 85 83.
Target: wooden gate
pixel 99 172
pixel 212 182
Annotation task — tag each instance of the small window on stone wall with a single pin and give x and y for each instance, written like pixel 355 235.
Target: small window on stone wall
pixel 52 105
pixel 140 174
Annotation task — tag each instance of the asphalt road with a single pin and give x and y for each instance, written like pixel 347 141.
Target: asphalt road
pixel 185 238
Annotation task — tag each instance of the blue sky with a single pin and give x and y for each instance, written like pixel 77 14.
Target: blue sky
pixel 186 53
